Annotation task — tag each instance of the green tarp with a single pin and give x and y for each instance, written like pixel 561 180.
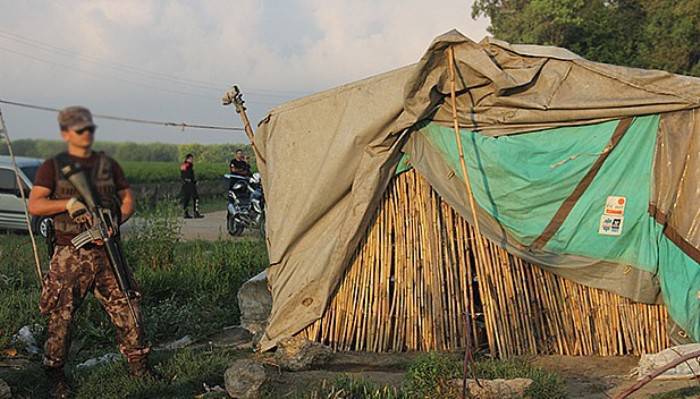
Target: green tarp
pixel 522 180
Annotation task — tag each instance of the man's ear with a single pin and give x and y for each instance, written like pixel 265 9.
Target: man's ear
pixel 64 135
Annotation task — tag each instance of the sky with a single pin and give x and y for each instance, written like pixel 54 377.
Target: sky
pixel 173 60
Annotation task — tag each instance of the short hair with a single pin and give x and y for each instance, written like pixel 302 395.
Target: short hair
pixel 189 156
pixel 238 150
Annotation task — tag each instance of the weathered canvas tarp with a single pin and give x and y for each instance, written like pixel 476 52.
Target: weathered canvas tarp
pixel 329 157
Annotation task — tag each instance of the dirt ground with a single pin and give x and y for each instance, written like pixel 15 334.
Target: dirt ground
pixel 604 377
pixel 586 377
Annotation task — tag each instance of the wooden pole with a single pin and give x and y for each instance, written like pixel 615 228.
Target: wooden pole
pixel 467 186
pixel 235 97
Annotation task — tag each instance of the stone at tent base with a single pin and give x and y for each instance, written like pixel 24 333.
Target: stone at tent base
pixel 255 303
pixel 5 392
pixel 244 378
pixel 650 362
pixel 497 389
pixel 298 353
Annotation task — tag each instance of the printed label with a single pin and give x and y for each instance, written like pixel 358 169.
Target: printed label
pixel 611 225
pixel 615 206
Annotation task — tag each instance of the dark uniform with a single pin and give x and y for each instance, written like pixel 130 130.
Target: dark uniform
pixel 241 166
pixel 189 189
pixel 75 272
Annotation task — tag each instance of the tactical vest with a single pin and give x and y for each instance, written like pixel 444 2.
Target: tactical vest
pixel 102 182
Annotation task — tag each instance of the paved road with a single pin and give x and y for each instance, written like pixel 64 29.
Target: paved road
pixel 211 228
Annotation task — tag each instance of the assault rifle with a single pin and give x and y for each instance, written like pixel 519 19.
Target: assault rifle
pixel 102 230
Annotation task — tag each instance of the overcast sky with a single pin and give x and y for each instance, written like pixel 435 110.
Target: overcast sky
pixel 173 60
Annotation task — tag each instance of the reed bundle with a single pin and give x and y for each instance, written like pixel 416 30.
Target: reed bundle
pixel 418 272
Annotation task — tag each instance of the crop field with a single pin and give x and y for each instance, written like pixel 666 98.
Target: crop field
pixel 164 172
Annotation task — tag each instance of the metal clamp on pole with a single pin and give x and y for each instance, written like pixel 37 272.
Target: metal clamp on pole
pixel 235 97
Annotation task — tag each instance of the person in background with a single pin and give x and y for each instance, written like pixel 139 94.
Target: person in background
pixel 239 165
pixel 189 187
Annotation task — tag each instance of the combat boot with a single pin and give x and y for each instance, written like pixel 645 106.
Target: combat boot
pixel 187 214
pixel 197 215
pixel 58 384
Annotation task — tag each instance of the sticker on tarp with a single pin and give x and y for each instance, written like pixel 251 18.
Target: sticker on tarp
pixel 615 206
pixel 611 225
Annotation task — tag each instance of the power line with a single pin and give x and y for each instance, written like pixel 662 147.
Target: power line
pixel 182 125
pixel 132 82
pixel 137 70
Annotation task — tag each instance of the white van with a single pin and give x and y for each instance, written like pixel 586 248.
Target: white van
pixel 11 207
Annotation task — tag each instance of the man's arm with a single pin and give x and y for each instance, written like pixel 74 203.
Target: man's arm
pixel 127 203
pixel 41 205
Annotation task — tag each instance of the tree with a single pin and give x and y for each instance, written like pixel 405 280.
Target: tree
pixel 641 33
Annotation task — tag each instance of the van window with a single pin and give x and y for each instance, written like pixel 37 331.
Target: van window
pixel 8 183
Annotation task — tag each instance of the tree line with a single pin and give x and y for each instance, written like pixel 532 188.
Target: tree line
pixel 129 151
pixel 653 34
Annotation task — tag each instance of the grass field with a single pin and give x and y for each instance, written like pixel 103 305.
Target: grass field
pixel 161 172
pixel 189 288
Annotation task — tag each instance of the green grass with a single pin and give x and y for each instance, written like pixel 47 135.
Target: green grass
pixel 189 288
pixel 429 376
pixel 346 387
pixel 184 374
pixel 683 393
pixel 164 172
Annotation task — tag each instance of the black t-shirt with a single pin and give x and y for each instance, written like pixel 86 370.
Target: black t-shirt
pixel 187 172
pixel 242 167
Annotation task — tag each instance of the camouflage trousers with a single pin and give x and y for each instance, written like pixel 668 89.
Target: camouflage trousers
pixel 72 273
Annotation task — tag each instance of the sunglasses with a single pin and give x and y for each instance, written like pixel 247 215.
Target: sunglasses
pixel 85 129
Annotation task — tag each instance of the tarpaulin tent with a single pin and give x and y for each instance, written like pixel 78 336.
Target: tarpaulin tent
pixel 588 169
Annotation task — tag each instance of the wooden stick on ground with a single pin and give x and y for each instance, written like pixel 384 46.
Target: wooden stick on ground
pixel 649 377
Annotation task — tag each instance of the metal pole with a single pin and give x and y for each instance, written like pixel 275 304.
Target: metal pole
pixel 20 184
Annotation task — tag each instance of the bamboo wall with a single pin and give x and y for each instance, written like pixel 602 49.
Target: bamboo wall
pixel 408 289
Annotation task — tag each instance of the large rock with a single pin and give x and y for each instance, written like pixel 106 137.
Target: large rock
pixel 5 392
pixel 244 378
pixel 298 353
pixel 651 362
pixel 255 303
pixel 497 389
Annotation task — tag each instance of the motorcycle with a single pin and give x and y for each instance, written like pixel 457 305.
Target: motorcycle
pixel 246 204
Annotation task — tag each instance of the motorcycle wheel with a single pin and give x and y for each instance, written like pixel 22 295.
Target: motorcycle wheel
pixel 234 227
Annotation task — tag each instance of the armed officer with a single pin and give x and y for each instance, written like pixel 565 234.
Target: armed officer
pixel 189 187
pixel 73 272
